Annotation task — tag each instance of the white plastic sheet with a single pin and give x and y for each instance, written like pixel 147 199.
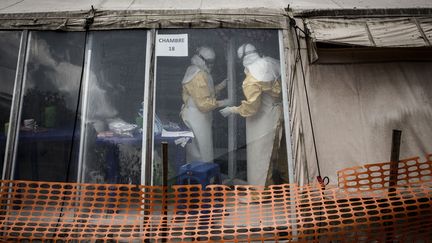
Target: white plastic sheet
pixel 379 32
pixel 354 108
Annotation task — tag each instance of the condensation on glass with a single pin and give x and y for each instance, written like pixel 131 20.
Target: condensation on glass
pixel 205 147
pixel 113 90
pixel 81 112
pixel 9 49
pixel 52 75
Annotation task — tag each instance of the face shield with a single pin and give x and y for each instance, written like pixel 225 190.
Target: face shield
pixel 207 55
pixel 209 62
pixel 245 50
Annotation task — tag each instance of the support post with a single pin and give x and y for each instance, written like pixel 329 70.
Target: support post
pixel 394 159
pixel 15 114
pixel 165 164
pixel 394 171
pixel 165 188
pixel 232 120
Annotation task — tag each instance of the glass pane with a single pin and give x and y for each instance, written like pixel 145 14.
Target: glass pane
pixel 48 115
pixel 9 48
pixel 245 146
pixel 113 135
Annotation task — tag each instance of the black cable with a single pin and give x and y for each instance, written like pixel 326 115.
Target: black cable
pixel 293 23
pixel 68 167
pixel 320 179
pixel 76 112
pixel 87 24
pixel 306 92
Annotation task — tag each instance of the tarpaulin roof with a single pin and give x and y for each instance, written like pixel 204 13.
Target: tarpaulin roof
pixel 382 32
pixel 120 14
pixel 23 6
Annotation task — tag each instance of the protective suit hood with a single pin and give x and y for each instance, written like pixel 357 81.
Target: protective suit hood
pixel 198 64
pixel 264 69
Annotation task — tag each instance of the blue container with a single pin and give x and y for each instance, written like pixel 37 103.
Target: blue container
pixel 198 172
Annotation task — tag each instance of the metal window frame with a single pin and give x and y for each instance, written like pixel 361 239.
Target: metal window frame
pixel 147 128
pixel 282 35
pixel 84 106
pixel 149 106
pixel 15 114
pixel 147 99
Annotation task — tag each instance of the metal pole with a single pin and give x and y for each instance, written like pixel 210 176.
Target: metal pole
pixel 148 111
pixel 15 115
pixel 85 90
pixel 394 171
pixel 165 188
pixel 232 120
pixel 147 128
pixel 165 163
pixel 394 159
pixel 14 121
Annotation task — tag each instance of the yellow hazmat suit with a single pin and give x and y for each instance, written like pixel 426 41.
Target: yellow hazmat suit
pixel 199 100
pixel 262 109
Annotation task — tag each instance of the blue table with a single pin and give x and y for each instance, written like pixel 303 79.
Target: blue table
pixel 112 157
pixel 32 138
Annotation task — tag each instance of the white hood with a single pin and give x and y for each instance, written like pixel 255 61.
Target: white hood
pixel 264 69
pixel 198 64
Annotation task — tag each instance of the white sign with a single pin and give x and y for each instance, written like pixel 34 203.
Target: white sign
pixel 172 45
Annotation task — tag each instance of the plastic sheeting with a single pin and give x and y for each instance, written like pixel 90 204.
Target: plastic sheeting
pixel 102 20
pixel 354 108
pixel 379 32
pixel 114 14
pixel 20 6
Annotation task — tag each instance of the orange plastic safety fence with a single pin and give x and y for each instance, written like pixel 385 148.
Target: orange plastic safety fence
pixel 377 176
pixel 127 213
pixel 67 211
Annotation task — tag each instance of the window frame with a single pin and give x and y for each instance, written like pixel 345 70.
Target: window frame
pixel 148 109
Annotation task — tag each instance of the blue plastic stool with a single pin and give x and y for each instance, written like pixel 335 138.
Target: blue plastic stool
pixel 198 172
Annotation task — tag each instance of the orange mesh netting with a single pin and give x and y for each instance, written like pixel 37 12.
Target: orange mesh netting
pixel 377 176
pixel 71 211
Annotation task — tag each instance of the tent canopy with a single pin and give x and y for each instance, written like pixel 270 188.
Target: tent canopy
pixel 121 14
pixel 27 6
pixel 373 32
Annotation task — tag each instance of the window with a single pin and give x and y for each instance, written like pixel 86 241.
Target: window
pixel 217 103
pixel 9 49
pixel 204 146
pixel 52 75
pixel 81 113
pixel 112 107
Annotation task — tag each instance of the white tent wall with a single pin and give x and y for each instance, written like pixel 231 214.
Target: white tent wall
pixel 354 107
pixel 305 169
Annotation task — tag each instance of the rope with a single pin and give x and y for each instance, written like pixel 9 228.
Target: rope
pixel 294 25
pixel 68 167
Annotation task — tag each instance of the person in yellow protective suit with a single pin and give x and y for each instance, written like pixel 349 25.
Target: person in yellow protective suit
pixel 262 110
pixel 199 100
